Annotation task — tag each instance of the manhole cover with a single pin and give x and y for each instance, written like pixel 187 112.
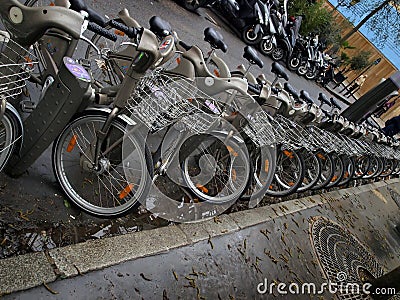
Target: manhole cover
pixel 342 257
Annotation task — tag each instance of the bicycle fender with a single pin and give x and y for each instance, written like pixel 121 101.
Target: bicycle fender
pixel 106 111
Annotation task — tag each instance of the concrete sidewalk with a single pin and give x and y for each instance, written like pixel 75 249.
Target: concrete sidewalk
pixel 226 257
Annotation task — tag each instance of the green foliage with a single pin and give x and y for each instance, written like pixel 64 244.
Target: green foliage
pixel 360 61
pixel 345 45
pixel 316 19
pixel 344 57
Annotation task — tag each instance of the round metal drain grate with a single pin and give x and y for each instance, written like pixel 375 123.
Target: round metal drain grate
pixel 342 257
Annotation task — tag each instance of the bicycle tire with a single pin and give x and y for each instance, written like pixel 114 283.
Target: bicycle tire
pixel 312 164
pixel 388 167
pixel 327 171
pixel 280 185
pixel 209 190
pixel 349 170
pixel 339 171
pixel 362 164
pixel 124 194
pixel 374 167
pixel 9 133
pixel 263 163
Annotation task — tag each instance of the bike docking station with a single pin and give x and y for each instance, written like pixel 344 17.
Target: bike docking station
pixel 360 110
pixel 62 97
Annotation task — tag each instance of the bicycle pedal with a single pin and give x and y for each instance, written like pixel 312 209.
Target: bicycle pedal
pixel 28 106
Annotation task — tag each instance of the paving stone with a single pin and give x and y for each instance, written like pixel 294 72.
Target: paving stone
pixel 24 272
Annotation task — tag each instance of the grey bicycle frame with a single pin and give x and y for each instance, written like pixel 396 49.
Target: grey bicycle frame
pixel 62 96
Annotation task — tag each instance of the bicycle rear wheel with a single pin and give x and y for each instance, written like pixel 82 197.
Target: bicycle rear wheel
pixel 117 186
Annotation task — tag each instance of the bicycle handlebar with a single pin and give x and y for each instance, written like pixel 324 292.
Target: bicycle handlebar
pixel 131 32
pixel 103 32
pixel 95 17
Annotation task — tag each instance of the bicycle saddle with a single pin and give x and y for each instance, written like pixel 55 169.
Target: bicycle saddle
pixel 335 104
pixel 288 88
pixel 323 99
pixel 306 97
pixel 160 27
pixel 251 55
pixel 278 70
pixel 215 39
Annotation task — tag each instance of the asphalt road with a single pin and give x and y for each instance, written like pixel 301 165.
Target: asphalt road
pixel 35 203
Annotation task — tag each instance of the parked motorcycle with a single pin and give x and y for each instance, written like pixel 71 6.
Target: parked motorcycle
pixel 248 17
pixel 276 23
pixel 192 5
pixel 299 53
pixel 315 59
pixel 326 72
pixel 287 40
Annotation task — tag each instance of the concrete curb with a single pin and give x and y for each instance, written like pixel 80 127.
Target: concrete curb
pixel 33 269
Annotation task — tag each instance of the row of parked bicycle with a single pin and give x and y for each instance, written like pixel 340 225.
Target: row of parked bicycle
pixel 144 113
pixel 267 24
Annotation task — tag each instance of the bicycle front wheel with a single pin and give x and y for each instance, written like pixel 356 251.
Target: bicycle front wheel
pixel 289 173
pixel 218 170
pixel 312 164
pixel 104 191
pixel 9 133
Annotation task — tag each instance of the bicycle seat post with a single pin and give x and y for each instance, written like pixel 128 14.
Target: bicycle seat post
pixel 248 69
pixel 210 55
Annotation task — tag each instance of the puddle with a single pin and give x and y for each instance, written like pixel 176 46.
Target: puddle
pixel 23 237
pixel 34 228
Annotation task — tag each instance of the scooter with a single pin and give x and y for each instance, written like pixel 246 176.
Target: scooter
pixel 287 40
pixel 249 18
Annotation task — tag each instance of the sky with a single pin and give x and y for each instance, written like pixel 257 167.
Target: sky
pixel 390 50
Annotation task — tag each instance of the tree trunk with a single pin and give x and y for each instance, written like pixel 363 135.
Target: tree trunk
pixel 366 18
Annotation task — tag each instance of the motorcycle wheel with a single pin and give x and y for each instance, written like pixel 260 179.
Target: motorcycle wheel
pixel 278 53
pixel 302 70
pixel 249 36
pixel 266 46
pixel 192 5
pixel 293 63
pixel 311 74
